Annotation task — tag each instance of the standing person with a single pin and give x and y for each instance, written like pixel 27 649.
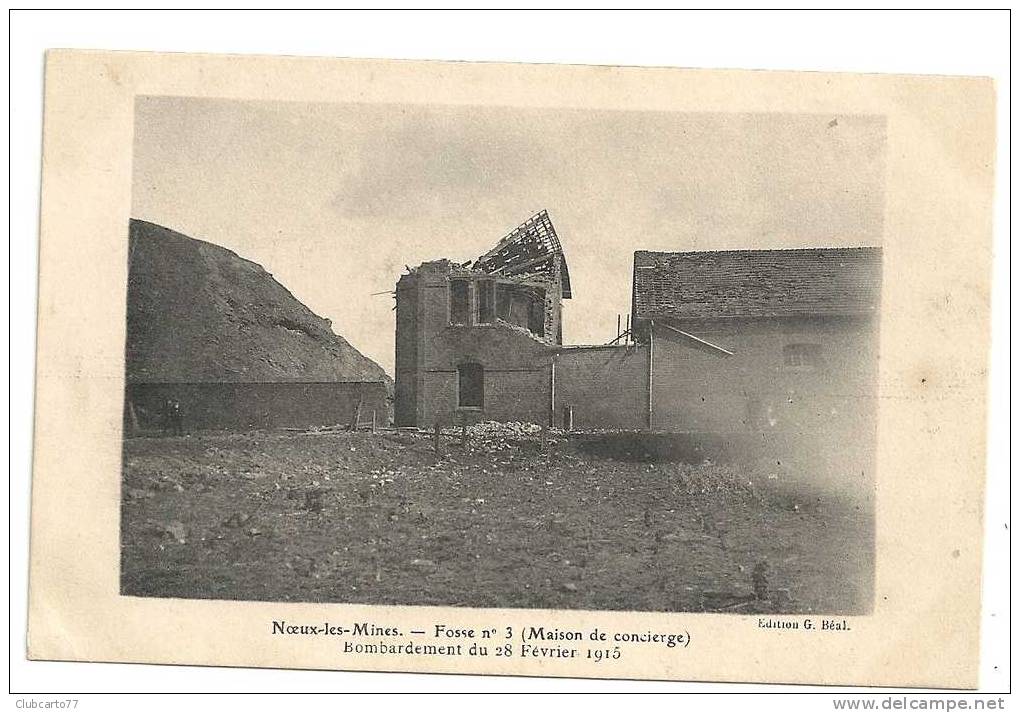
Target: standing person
pixel 178 419
pixel 174 417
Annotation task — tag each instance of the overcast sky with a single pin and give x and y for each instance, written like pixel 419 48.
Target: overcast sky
pixel 334 200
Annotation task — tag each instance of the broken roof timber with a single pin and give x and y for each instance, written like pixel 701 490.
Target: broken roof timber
pixel 531 250
pixel 697 340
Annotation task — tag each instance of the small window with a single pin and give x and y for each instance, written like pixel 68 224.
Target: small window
pixel 504 296
pixel 802 356
pixel 536 316
pixel 486 301
pixel 470 386
pixel 459 302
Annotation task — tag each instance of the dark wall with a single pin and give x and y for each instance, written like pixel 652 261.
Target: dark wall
pixel 606 386
pixel 406 376
pixel 245 406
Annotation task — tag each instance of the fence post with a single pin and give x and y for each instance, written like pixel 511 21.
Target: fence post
pixel 356 416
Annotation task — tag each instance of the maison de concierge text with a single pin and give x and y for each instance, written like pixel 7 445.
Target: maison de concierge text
pixel 528 642
pixel 596 644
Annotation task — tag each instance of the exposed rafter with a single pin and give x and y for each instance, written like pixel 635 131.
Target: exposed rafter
pixel 532 250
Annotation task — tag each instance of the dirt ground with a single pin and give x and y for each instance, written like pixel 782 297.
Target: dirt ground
pixel 497 522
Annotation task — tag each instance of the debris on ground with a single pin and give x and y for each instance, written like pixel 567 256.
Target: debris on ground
pixel 496 429
pixel 177 531
pixel 365 518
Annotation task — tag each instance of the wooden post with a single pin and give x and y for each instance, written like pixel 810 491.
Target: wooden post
pixel 568 418
pixel 463 434
pixel 552 392
pixel 357 411
pixel 135 428
pixel 651 349
pixel 617 328
pixel 373 420
pixel 435 438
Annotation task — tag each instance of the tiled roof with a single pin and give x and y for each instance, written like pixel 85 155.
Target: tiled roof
pixel 532 249
pixel 757 283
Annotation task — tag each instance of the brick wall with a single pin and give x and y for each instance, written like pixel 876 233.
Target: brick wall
pixel 693 388
pixel 245 406
pixel 510 395
pixel 697 390
pixel 821 422
pixel 429 349
pixel 405 387
pixel 606 386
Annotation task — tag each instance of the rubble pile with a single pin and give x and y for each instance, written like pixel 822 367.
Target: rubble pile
pixel 510 429
pixel 495 436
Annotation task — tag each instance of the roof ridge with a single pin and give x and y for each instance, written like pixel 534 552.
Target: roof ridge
pixel 832 248
pixel 757 283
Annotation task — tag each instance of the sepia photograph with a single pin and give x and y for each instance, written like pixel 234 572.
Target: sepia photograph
pixel 534 371
pixel 502 357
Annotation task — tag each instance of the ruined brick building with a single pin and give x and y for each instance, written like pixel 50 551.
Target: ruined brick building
pixel 721 341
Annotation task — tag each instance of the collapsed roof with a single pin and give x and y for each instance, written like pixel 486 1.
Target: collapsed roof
pixel 757 283
pixel 530 251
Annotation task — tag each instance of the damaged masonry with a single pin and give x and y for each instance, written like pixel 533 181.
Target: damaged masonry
pixel 733 341
pixel 479 338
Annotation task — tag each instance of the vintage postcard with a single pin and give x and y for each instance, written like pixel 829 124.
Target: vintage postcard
pixel 508 369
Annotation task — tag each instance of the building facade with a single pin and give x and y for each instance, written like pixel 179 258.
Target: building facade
pixel 245 406
pixel 474 340
pixel 723 342
pixel 760 340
